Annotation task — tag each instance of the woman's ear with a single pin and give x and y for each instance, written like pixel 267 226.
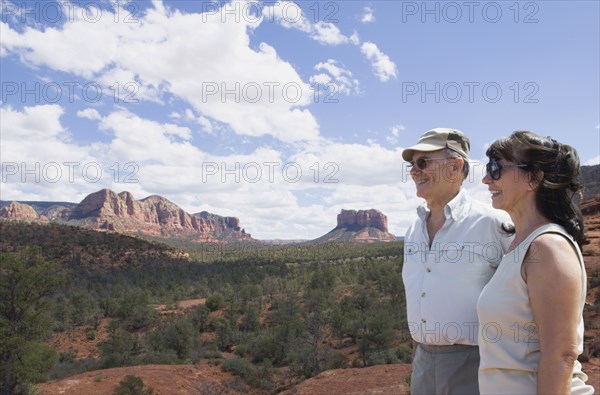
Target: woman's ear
pixel 535 179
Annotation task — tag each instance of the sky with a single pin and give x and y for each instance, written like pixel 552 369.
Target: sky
pixel 281 113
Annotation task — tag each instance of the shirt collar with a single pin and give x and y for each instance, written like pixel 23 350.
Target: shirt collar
pixel 454 209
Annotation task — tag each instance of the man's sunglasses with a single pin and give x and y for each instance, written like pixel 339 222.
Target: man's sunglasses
pixel 421 163
pixel 494 168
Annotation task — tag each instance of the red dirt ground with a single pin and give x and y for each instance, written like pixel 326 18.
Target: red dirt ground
pixel 164 380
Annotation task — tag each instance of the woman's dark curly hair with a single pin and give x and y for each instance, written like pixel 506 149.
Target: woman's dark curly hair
pixel 559 183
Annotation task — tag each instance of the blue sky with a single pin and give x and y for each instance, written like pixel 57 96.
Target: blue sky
pixel 281 113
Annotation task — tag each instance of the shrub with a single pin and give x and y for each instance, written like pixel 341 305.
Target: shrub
pixel 133 385
pixel 237 384
pixel 336 360
pixel 239 367
pixel 265 347
pixel 260 376
pixel 215 302
pixel 382 358
pixel 404 353
pixel 90 334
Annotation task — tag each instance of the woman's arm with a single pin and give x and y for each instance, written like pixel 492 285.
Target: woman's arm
pixel 553 275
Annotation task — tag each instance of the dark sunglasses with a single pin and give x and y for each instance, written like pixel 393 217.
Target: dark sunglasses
pixel 421 163
pixel 494 168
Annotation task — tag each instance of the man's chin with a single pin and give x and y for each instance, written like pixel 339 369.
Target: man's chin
pixel 422 186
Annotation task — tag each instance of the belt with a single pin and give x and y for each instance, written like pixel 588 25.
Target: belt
pixel 448 348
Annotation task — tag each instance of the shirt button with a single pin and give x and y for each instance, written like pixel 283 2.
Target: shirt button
pixel 428 270
pixel 423 295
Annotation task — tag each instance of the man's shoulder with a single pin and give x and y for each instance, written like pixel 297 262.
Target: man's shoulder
pixel 485 212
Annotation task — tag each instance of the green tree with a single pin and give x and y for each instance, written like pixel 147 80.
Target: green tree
pixel 85 308
pixel 63 314
pixel 287 323
pixel 199 317
pixel 119 349
pixel 251 320
pixel 135 310
pixel 317 319
pixel 27 282
pixel 180 337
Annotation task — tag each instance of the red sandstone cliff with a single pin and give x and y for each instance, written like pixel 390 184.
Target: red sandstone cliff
pixel 362 218
pixel 367 226
pixel 154 216
pixel 16 211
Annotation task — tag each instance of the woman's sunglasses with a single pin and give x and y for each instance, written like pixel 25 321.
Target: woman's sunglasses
pixel 494 168
pixel 421 163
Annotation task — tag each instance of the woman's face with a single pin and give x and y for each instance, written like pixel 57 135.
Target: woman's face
pixel 509 184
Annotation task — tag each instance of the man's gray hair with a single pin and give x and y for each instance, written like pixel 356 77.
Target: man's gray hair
pixel 453 154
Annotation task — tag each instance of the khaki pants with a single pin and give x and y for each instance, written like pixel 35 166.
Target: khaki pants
pixel 445 370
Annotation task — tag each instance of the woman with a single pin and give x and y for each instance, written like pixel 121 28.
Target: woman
pixel 530 313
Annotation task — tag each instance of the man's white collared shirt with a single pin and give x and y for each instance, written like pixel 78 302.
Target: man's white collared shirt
pixel 443 280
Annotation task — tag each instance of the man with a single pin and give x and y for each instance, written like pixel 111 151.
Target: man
pixel 450 252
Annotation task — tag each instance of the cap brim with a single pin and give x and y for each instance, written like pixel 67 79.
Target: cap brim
pixel 408 153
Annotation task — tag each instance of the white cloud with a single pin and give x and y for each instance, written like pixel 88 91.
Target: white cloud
pixel 338 77
pixel 383 67
pixel 89 113
pixel 138 140
pixel 206 125
pixel 36 122
pixel 189 115
pixel 354 39
pixel 328 33
pixel 267 95
pixel 368 15
pixel 395 133
pixel 354 164
pixel 321 78
pixel 289 15
pixel 39 159
pixel 396 129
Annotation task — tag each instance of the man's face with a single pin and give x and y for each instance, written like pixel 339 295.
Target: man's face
pixel 434 179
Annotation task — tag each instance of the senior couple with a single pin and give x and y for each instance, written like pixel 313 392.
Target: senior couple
pixel 495 295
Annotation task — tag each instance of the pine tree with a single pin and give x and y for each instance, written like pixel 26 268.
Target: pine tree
pixel 27 282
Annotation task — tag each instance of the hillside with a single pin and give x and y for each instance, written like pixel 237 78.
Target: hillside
pixel 83 249
pixel 590 178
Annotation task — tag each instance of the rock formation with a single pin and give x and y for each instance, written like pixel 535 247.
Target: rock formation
pixel 16 211
pixel 367 226
pixel 362 219
pixel 153 216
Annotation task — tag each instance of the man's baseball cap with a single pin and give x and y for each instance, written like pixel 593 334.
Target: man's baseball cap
pixel 440 138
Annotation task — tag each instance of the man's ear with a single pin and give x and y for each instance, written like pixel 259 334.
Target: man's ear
pixel 460 165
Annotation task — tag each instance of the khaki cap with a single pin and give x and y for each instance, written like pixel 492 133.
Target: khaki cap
pixel 440 138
